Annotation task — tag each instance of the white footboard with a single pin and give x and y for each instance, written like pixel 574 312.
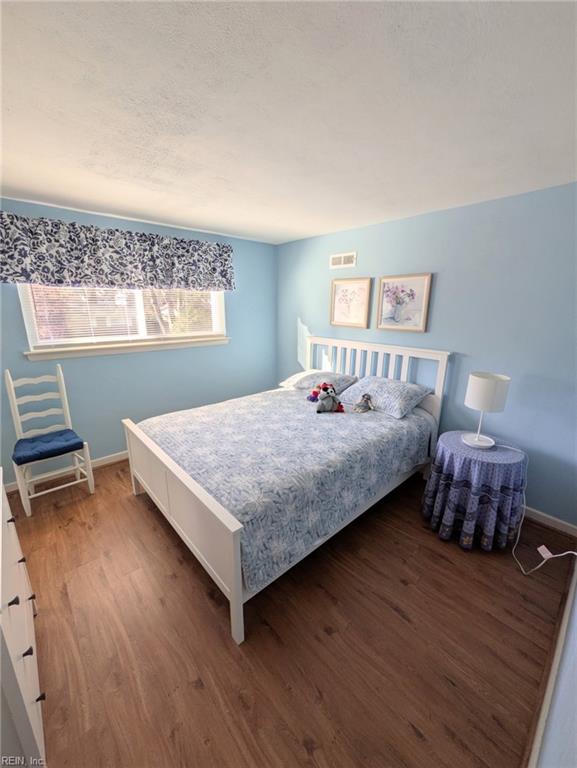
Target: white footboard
pixel 207 528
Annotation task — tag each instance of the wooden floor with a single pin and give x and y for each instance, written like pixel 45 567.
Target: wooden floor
pixel 386 648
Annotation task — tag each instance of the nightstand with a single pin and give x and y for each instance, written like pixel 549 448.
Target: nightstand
pixel 475 493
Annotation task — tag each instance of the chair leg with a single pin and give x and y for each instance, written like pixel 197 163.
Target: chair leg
pixel 88 467
pixel 76 464
pixel 23 488
pixel 28 475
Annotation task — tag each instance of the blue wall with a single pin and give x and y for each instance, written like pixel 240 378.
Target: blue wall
pixel 503 299
pixel 104 389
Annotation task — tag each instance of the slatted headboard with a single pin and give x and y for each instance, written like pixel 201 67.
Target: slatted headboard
pixel 360 358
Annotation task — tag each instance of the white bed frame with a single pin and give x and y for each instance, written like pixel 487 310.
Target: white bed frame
pixel 210 531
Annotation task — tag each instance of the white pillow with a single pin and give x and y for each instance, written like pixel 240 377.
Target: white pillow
pixel 397 398
pixel 311 378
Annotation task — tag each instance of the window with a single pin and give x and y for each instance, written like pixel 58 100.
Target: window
pixel 88 320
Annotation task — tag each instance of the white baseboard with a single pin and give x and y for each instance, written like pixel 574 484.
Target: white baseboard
pixel 551 522
pixel 112 458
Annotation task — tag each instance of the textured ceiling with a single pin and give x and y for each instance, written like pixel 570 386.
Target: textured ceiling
pixel 283 120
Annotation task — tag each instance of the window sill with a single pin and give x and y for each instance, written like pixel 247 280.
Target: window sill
pixel 90 350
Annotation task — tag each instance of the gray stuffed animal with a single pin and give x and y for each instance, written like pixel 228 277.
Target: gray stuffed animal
pixel 328 400
pixel 365 404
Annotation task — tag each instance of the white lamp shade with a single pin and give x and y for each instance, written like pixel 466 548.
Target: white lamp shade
pixel 487 391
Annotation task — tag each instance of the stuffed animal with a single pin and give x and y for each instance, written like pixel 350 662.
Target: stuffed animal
pixel 365 404
pixel 314 395
pixel 328 400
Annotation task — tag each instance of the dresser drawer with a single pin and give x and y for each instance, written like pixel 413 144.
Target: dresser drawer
pixel 6 512
pixel 26 668
pixel 18 630
pixel 18 620
pixel 15 602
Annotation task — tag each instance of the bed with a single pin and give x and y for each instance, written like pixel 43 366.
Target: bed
pixel 250 508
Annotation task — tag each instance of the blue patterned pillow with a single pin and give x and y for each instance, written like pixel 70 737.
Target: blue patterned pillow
pixel 311 378
pixel 396 398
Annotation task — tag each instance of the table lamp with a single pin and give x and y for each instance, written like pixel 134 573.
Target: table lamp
pixel 486 392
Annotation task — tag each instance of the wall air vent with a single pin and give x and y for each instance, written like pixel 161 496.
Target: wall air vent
pixel 343 260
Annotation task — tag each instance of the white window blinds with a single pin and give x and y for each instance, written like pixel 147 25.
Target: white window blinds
pixel 63 316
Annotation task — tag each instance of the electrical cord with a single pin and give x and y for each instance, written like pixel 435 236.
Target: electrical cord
pixel 550 556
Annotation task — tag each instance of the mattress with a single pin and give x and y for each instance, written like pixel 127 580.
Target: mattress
pixel 289 475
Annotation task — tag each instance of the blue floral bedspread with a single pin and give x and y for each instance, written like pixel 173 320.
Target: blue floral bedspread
pixel 289 475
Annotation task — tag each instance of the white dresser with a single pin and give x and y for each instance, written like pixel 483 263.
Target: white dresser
pixel 22 731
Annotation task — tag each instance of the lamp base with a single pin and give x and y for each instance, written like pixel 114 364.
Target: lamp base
pixel 482 441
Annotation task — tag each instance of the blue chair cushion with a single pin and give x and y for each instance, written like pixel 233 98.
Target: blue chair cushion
pixel 46 446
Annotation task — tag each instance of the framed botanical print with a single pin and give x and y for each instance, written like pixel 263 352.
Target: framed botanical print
pixel 404 302
pixel 350 298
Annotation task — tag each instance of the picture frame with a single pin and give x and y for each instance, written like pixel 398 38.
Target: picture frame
pixel 350 299
pixel 404 302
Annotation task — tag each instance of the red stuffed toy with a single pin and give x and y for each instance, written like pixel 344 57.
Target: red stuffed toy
pixel 314 395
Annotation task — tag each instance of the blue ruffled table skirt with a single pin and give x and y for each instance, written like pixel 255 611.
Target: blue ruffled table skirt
pixel 475 495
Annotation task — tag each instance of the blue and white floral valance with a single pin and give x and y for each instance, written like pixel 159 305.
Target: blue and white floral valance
pixel 51 252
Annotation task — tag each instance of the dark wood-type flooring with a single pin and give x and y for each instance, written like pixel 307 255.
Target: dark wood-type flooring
pixel 386 648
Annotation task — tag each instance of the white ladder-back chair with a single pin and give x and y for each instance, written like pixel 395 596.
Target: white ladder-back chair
pixel 36 445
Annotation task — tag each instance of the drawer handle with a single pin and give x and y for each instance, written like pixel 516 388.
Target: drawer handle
pixel 22 560
pixel 32 596
pixel 28 652
pixel 14 601
pixel 11 520
pixel 42 697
